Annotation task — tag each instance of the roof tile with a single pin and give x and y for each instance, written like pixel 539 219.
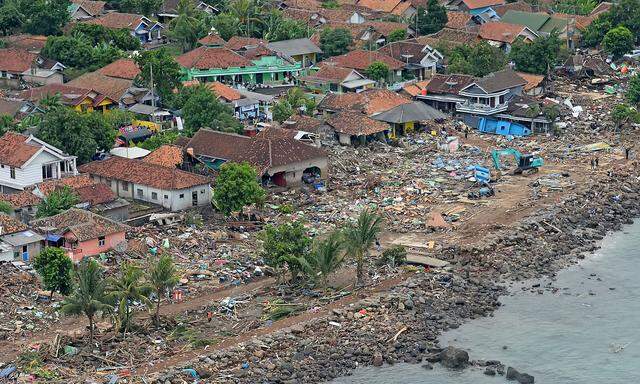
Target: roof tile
pixel 212 57
pixel 16 60
pixel 355 124
pixel 84 225
pixel 369 102
pixel 165 155
pixel 15 151
pixel 121 68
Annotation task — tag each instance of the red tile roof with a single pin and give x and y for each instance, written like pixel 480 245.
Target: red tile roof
pixel 355 124
pixel 141 172
pixel 92 7
pixel 224 91
pixel 329 72
pixel 386 27
pixel 121 68
pixel 448 36
pixel 96 193
pixel 369 102
pixel 361 59
pixel 415 89
pixel 10 225
pixel 237 43
pixel 517 6
pixel 72 182
pixel 70 95
pixel 165 155
pixel 448 84
pixel 531 79
pixel 21 199
pixel 117 20
pixel 302 123
pixel 112 87
pixel 261 153
pixel 216 57
pixel 475 4
pixel 16 60
pixel 32 43
pixel 212 39
pixel 15 151
pixel 458 20
pixel 380 5
pixel 84 225
pixel 499 31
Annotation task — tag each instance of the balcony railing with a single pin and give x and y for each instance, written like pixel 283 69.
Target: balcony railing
pixel 481 109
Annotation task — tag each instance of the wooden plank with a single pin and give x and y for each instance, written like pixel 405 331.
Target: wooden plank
pixel 426 260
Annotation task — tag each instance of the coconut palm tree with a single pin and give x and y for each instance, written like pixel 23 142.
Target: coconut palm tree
pixel 88 297
pixel 162 277
pixel 246 12
pixel 187 28
pixel 359 238
pixel 326 256
pixel 126 289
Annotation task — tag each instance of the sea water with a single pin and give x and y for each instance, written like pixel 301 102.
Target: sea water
pixel 586 332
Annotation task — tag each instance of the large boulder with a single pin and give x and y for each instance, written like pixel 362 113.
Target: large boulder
pixel 455 358
pixel 522 378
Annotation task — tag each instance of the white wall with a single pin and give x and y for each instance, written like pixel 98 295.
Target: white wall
pixel 30 175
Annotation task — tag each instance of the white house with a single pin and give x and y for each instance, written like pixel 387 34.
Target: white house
pixel 135 179
pixel 25 161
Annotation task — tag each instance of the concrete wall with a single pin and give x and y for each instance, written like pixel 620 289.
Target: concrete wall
pixel 92 247
pixel 56 78
pixel 293 172
pixel 169 199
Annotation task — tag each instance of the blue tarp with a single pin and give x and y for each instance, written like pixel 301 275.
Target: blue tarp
pixel 53 238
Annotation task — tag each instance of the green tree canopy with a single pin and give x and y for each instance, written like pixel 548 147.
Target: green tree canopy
pixel 166 71
pixel 202 109
pixel 188 27
pixel 580 7
pixel 57 201
pixel 633 90
pixel 335 41
pixel 236 187
pixel 477 60
pixel 88 297
pixel 359 238
pixel 54 267
pixel 158 140
pixel 397 35
pixel 162 278
pixel 144 7
pixel 618 41
pixel 125 289
pixel 5 208
pixel 226 25
pixel 539 56
pixel 285 245
pixel 95 34
pixel 44 17
pixel 79 133
pixel 432 19
pixel 624 13
pixel 377 71
pixel 71 51
pixel 11 17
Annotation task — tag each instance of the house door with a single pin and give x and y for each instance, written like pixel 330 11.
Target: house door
pixel 25 253
pixel 194 198
pixel 259 78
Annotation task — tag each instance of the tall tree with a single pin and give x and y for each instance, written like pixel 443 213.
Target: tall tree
pixel 477 60
pixel 624 13
pixel 335 41
pixel 45 17
pixel 88 297
pixel 633 90
pixel 432 19
pixel 237 187
pixel 326 256
pixel 618 41
pixel 11 17
pixel 188 27
pixel 125 289
pixel 54 267
pixel 226 25
pixel 203 110
pixel 377 71
pixel 57 201
pixel 539 56
pixel 69 50
pixel 162 277
pixel 359 239
pixel 79 133
pixel 166 71
pixel 145 7
pixel 248 15
pixel 285 245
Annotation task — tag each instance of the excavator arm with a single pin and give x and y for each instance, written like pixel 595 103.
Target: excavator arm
pixel 497 153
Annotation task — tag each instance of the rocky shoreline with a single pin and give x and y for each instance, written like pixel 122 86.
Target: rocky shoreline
pixel 404 323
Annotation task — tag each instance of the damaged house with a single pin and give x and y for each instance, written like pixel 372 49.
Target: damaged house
pixel 282 161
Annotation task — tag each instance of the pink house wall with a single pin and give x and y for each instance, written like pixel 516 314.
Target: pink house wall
pixel 91 247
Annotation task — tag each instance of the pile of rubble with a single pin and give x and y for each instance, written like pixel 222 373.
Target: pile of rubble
pixel 25 307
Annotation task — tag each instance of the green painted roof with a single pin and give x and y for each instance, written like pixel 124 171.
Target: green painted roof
pixel 534 21
pixel 554 23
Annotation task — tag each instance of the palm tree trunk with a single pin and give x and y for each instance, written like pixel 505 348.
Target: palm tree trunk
pixel 91 329
pixel 156 317
pixel 360 271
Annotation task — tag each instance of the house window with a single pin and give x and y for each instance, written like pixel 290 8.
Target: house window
pixel 202 191
pixel 182 195
pixel 47 171
pixel 101 241
pixel 109 183
pixel 140 193
pixel 154 195
pixel 12 172
pixel 125 186
pixel 166 197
